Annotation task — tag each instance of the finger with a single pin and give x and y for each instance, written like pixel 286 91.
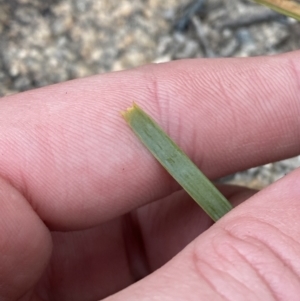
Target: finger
pixel 84 263
pixel 67 149
pixel 251 254
pixel 25 244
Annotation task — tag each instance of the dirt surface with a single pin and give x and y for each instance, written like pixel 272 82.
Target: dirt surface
pixel 45 42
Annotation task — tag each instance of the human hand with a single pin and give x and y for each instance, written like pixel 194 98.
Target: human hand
pixel 86 210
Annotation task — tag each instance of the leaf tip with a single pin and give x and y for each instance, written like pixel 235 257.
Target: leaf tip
pixel 126 114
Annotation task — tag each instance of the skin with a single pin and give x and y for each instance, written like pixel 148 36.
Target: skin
pixel 86 211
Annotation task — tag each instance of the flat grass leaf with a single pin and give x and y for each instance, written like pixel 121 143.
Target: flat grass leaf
pixel 290 8
pixel 175 161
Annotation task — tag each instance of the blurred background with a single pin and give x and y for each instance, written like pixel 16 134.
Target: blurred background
pixel 45 42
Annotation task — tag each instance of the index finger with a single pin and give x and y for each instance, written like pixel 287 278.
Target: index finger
pixel 66 148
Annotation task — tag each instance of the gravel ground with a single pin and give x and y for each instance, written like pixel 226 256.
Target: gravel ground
pixel 45 42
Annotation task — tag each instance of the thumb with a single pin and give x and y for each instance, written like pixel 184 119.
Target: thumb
pixel 253 253
pixel 25 245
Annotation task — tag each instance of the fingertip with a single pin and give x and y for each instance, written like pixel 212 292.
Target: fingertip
pixel 25 245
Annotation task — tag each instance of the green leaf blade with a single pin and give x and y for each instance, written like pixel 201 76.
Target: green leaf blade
pixel 175 161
